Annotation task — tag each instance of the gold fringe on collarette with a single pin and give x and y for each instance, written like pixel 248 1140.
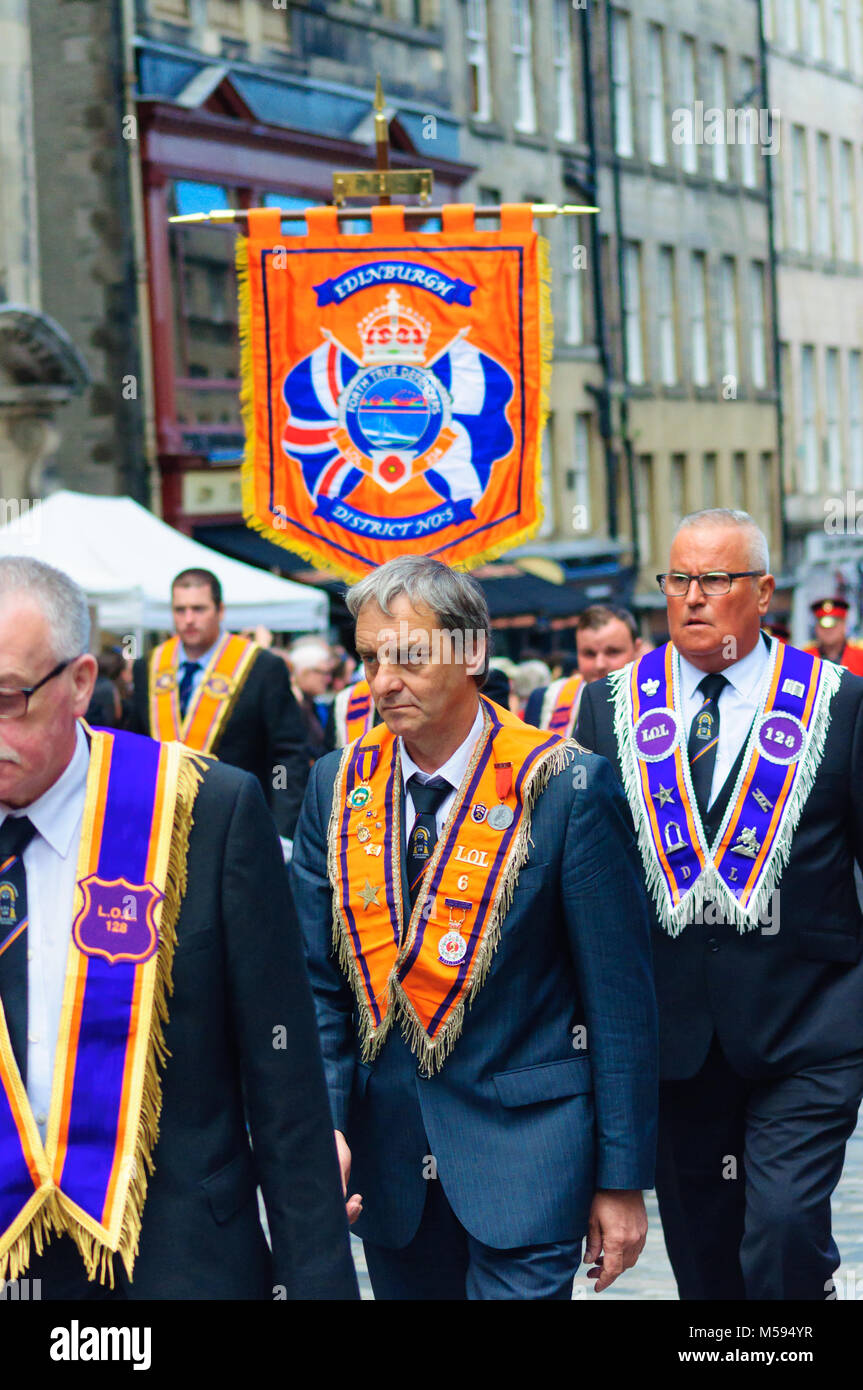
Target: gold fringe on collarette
pixel 431 1054
pixel 340 933
pixel 51 1218
pixel 330 564
pixel 97 1257
pixel 38 1231
pixel 189 778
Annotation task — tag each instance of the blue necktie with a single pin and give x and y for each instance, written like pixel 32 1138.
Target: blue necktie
pixel 184 691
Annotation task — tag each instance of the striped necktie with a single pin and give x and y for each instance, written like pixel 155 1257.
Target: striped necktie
pixel 704 739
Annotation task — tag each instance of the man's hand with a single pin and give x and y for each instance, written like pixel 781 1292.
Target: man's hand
pixel 616 1232
pixel 354 1204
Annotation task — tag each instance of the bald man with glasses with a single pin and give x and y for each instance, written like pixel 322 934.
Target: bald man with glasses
pixel 742 762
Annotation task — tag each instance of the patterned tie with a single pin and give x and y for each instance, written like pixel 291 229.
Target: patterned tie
pixel 16 833
pixel 704 738
pixel 184 691
pixel 426 797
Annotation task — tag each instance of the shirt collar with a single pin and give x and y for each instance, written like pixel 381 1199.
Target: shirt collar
pixel 455 766
pixel 203 661
pixel 56 813
pixel 745 674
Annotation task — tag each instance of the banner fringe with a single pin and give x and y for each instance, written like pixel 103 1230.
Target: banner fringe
pixel 344 570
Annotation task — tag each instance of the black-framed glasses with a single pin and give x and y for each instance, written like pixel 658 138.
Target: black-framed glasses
pixel 713 584
pixel 15 703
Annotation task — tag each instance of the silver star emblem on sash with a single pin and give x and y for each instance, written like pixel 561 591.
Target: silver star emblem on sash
pixel 664 795
pixel 650 687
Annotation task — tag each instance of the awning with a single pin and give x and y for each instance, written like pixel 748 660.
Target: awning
pixel 242 543
pixel 516 599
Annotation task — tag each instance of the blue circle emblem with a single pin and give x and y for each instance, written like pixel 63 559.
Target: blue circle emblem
pixel 394 407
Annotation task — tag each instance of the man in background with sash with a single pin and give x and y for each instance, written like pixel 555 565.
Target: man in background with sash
pixel 742 761
pixel 159 1058
pixel 606 639
pixel 222 694
pixel 477 943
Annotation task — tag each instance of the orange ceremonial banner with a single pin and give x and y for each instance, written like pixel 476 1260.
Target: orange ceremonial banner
pixel 394 386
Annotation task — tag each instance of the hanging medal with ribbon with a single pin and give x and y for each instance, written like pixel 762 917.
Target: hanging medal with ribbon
pixel 366 761
pixel 452 947
pixel 500 817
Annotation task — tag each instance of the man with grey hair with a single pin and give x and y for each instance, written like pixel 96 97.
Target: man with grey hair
pixel 742 761
pixel 153 997
pixel 477 943
pixel 310 662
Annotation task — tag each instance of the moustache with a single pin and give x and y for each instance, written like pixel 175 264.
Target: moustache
pixel 7 755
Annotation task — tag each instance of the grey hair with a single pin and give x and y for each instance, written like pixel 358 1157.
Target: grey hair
pixel 759 553
pixel 63 602
pixel 456 600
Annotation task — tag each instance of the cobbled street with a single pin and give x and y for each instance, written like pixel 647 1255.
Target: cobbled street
pixel 652 1277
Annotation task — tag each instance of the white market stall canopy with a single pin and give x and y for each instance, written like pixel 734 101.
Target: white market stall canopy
pixel 125 558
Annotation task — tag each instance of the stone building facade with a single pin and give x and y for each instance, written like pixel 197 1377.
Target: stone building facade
pixel 816 81
pixel 665 394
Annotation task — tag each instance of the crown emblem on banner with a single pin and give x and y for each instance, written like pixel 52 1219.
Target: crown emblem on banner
pixel 393 333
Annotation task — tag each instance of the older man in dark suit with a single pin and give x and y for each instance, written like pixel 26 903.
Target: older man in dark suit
pixel 159 1059
pixel 487 1012
pixel 742 759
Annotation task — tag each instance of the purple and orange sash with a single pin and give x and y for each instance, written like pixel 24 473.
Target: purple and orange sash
pixel 213 700
pixel 354 712
pixel 560 705
pixel 426 968
pixel 743 865
pixel 90 1177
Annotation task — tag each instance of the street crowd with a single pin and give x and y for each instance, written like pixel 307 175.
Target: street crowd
pixel 418 946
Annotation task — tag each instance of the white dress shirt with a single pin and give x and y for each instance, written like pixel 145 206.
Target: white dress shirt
pixel 453 770
pixel 737 703
pixel 50 864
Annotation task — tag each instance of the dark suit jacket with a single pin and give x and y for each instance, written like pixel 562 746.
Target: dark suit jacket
pixel 523 1125
pixel 265 732
pixel 239 1110
pixel 784 999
